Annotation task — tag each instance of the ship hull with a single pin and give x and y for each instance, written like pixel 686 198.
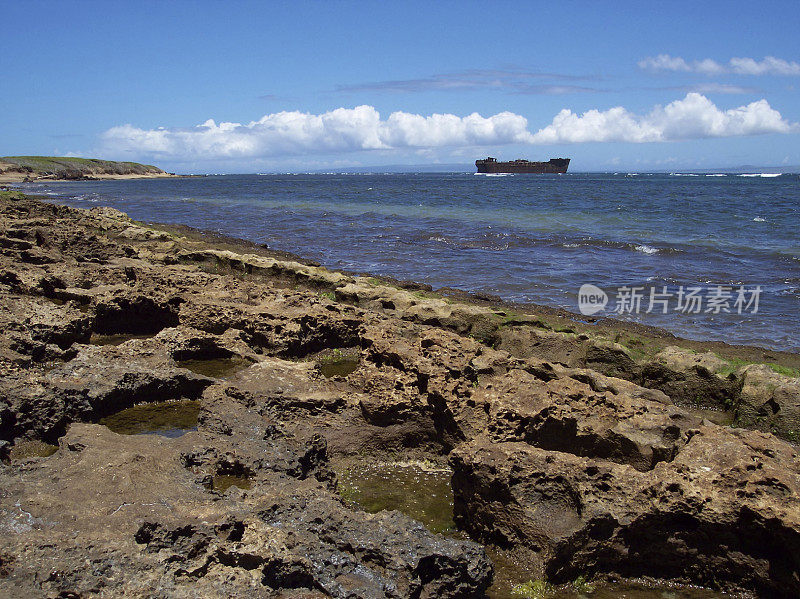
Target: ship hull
pixel 554 166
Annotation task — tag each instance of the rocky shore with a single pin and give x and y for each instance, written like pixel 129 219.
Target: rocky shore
pixel 577 451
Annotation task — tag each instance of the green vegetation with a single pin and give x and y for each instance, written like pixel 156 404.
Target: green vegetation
pixel 328 295
pixel 347 492
pixel 636 348
pixel 793 436
pixel 335 355
pixel 734 364
pixel 785 370
pixel 581 585
pixel 633 342
pixel 635 354
pixel 62 165
pixel 12 195
pixel 541 589
pixel 425 294
pixel 512 318
pixel 533 589
pixel 508 317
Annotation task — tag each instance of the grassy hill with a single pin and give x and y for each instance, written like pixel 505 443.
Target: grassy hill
pixel 54 167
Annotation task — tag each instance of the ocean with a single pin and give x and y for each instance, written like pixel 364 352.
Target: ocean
pixel 705 256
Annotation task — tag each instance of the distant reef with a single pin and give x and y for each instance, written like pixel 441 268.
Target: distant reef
pixel 16 169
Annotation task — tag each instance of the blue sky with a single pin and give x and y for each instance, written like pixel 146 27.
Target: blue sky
pixel 308 85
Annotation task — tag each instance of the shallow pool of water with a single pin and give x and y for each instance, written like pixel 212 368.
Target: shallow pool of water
pixel 167 418
pixel 97 339
pixel 338 361
pixel 223 482
pixel 338 368
pixel 31 449
pixel 217 368
pixel 419 492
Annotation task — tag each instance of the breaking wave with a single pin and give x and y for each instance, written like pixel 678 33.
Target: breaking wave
pixel 495 241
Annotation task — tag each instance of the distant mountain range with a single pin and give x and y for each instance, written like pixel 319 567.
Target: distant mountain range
pixel 402 168
pixel 747 168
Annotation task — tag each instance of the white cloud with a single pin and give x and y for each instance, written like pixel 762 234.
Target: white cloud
pixel 693 117
pixel 769 66
pixel 665 62
pixel 361 128
pixel 340 130
pixel 741 66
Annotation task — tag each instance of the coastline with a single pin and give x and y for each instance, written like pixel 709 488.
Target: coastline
pixel 607 328
pixel 6 178
pixel 27 169
pixel 579 450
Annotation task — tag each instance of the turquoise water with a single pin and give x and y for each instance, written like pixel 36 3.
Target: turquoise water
pixel 525 238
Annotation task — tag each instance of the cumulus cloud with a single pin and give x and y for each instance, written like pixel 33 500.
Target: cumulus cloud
pixel 740 66
pixel 362 128
pixel 693 117
pixel 340 130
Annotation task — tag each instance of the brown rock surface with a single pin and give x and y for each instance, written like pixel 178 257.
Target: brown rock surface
pixel 723 513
